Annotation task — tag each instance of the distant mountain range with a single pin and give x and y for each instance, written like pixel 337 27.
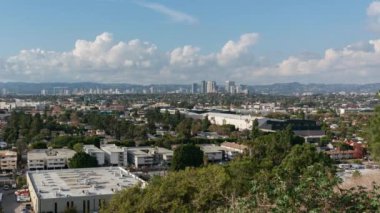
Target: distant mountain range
pixel 22 88
pixel 294 88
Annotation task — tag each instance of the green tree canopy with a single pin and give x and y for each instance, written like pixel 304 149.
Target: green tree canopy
pixel 187 155
pixel 78 147
pixel 83 160
pixel 374 135
pixel 39 145
pixel 190 190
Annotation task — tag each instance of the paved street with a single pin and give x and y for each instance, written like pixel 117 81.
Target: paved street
pixel 9 202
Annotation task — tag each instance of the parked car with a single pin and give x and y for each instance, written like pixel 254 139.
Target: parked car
pixel 6 187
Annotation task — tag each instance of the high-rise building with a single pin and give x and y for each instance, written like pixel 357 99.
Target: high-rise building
pixel 230 87
pixel 44 92
pixel 194 88
pixel 211 87
pixel 203 87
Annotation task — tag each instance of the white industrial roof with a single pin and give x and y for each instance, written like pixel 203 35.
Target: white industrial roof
pixel 81 182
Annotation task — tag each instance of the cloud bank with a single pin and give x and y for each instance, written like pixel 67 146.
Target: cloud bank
pixel 106 60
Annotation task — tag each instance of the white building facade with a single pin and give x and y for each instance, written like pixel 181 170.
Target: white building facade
pixel 85 190
pixel 49 158
pixel 241 122
pixel 95 152
pixel 8 160
pixel 149 156
pixel 115 155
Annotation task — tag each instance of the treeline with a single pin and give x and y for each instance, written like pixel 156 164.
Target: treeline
pixel 277 175
pixel 34 128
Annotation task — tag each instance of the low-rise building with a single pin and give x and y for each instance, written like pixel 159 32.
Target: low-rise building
pixel 339 155
pixel 115 155
pixel 8 160
pixel 233 149
pixel 149 156
pixel 310 130
pixel 240 122
pixel 95 152
pixel 85 190
pixel 213 152
pixel 49 158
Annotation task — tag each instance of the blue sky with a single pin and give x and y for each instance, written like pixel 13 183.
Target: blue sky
pixel 285 28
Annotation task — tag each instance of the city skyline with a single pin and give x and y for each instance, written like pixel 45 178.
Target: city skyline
pixel 180 43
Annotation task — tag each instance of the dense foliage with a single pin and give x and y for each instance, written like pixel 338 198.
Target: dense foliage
pixel 187 155
pixel 277 176
pixel 374 135
pixel 83 160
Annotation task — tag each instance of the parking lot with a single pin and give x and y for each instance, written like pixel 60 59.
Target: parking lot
pixel 9 202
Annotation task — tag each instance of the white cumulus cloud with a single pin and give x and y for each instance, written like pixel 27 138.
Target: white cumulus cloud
pixel 233 50
pixel 135 61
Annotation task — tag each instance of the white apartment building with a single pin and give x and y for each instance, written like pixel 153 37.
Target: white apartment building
pixel 85 189
pixel 95 152
pixel 213 152
pixel 8 160
pixel 233 149
pixel 114 155
pixel 227 151
pixel 149 156
pixel 49 158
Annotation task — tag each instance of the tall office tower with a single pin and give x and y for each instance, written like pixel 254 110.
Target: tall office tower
pixel 211 87
pixel 203 88
pixel 44 92
pixel 194 88
pixel 242 89
pixel 230 87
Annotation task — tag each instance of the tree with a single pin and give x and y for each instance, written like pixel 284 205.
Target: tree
pixel 39 145
pixel 36 126
pixel 190 190
pixel 302 156
pixel 83 160
pixel 205 123
pixel 187 155
pixel 374 135
pixel 184 128
pixel 78 147
pixel 255 132
pixel 21 181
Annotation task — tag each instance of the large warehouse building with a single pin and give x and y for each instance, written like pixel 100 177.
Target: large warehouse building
pixel 83 189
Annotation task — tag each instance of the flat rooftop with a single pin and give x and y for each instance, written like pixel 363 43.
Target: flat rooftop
pixel 111 148
pixel 148 150
pixel 37 154
pixel 92 148
pixel 81 182
pixel 211 148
